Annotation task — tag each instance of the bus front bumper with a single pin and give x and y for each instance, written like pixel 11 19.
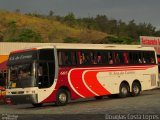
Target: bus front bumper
pixel 22 99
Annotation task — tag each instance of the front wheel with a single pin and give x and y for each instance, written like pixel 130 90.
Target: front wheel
pixel 62 97
pixel 136 89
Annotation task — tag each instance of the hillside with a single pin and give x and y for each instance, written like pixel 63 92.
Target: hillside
pixel 34 27
pixel 27 28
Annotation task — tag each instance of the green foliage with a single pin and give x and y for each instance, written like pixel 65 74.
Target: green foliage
pixel 70 19
pixel 12 24
pixel 117 40
pixel 51 13
pixel 35 27
pixel 26 35
pixel 11 29
pixel 118 27
pixel 71 40
pixel 1 37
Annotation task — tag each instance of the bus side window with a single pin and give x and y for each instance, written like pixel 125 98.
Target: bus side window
pixel 80 57
pixel 110 57
pixel 67 57
pixel 96 57
pixel 145 57
pixel 99 58
pixel 134 58
pixel 84 57
pixel 104 56
pixel 64 58
pixel 116 57
pixel 140 57
pixel 125 55
pixel 74 58
pixel 152 57
pixel 93 57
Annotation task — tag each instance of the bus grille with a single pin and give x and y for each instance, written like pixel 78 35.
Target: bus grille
pixel 18 92
pixel 153 80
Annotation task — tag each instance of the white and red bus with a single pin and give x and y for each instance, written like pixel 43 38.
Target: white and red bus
pixel 65 72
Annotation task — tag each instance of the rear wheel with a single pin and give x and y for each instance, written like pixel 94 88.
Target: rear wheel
pixel 37 104
pixel 136 89
pixel 62 97
pixel 123 90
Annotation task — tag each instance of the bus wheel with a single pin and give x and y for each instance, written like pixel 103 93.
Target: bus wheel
pixel 37 104
pixel 62 97
pixel 123 90
pixel 136 89
pixel 98 97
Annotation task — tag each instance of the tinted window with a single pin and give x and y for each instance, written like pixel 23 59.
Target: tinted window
pixel 46 54
pixel 142 57
pixel 46 73
pixel 104 57
pixel 67 57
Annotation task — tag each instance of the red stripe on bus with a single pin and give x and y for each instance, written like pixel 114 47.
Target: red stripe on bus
pixel 91 79
pixel 76 80
pixel 93 83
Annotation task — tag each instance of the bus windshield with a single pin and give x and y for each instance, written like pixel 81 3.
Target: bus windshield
pixel 22 75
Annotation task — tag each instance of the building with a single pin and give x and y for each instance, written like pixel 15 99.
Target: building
pixel 149 41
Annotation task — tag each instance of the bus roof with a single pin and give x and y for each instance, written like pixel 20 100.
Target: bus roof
pixel 88 46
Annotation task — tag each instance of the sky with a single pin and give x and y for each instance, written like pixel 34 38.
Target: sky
pixel 140 10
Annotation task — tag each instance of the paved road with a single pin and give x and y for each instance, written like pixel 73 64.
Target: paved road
pixel 147 103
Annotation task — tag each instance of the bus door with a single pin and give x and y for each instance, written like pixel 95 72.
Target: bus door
pixel 45 73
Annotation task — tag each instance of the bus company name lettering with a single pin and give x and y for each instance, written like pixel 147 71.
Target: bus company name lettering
pixel 21 57
pixel 122 73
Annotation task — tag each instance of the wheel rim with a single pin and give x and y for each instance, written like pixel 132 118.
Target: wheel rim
pixel 124 90
pixel 62 97
pixel 136 89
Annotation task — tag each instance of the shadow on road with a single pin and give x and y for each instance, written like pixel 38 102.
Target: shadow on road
pixel 89 101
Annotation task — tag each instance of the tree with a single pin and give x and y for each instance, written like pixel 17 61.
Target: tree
pixel 51 13
pixel 11 30
pixel 70 19
pixel 17 10
pixel 26 35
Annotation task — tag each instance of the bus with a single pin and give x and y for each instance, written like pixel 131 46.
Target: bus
pixel 65 72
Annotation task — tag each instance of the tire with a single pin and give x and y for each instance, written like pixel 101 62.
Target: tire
pixel 136 89
pixel 37 104
pixel 62 97
pixel 99 97
pixel 123 90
